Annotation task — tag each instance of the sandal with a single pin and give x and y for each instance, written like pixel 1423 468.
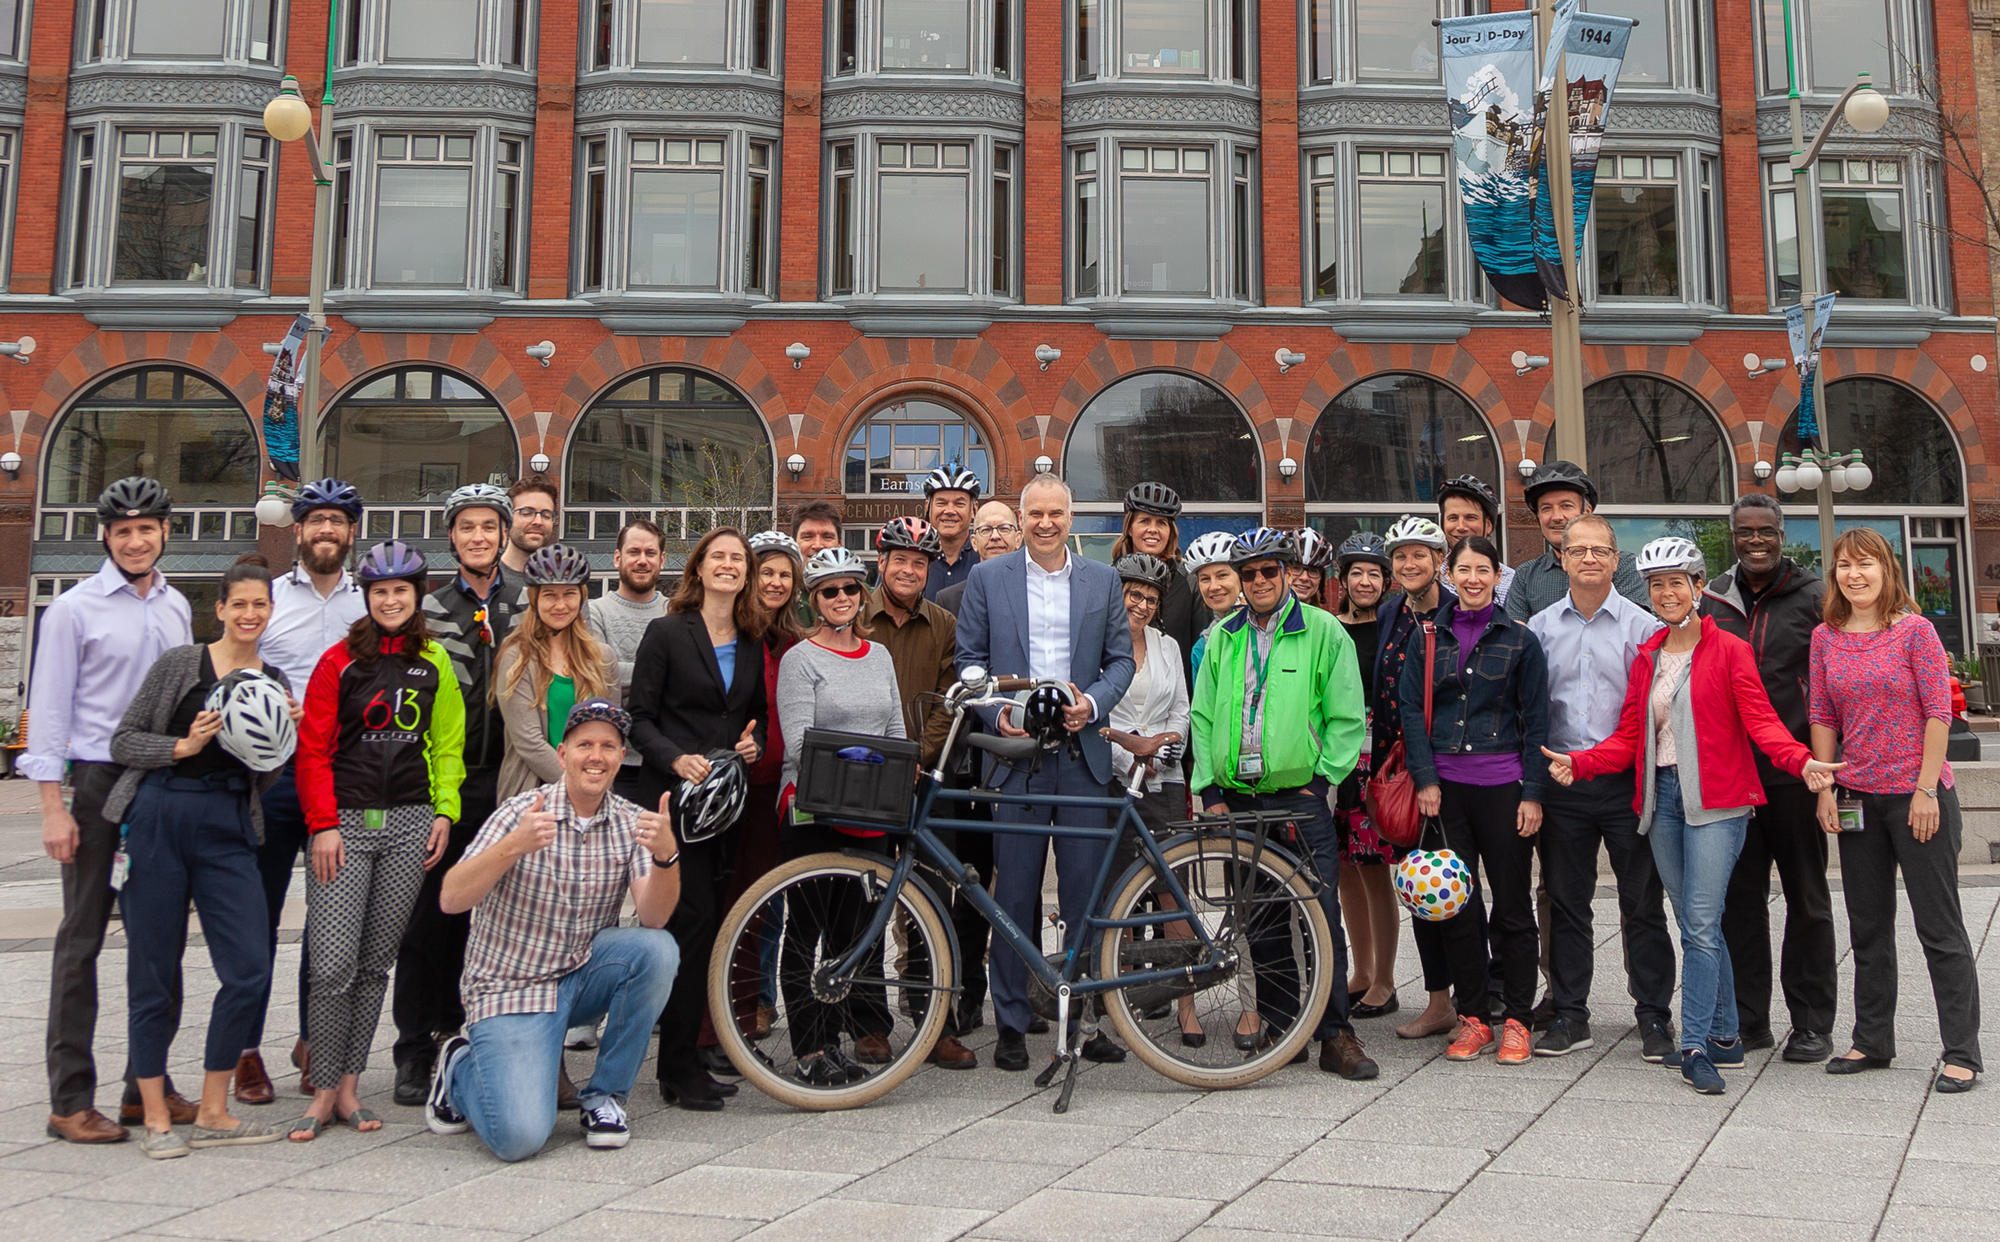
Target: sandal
pixel 360 1117
pixel 308 1125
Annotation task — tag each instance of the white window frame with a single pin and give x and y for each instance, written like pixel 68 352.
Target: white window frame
pixel 1910 49
pixel 864 181
pixel 1231 49
pixel 103 33
pixel 993 33
pixel 90 204
pixel 358 164
pixel 1344 171
pixel 616 146
pixel 364 37
pixel 615 24
pixel 1925 237
pixel 1109 178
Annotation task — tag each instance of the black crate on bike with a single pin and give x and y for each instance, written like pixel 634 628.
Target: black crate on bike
pixel 857 778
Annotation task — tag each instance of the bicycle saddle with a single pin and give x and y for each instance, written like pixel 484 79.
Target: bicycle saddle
pixel 1009 749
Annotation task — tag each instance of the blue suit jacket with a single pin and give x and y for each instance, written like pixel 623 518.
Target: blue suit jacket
pixel 993 634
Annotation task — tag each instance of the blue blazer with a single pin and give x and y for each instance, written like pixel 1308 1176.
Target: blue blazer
pixel 993 634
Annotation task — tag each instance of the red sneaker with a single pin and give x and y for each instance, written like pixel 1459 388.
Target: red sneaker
pixel 1473 1038
pixel 1517 1046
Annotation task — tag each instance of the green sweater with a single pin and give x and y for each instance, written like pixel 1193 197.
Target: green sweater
pixel 1312 709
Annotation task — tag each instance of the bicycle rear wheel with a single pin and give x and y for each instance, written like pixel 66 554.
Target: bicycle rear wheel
pixel 817 907
pixel 1260 905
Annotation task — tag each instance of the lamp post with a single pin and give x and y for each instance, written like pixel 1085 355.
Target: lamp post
pixel 1867 112
pixel 287 118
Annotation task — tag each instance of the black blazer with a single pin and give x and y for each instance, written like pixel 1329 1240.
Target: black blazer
pixel 678 700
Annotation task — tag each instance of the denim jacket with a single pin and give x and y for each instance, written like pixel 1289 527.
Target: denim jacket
pixel 1499 703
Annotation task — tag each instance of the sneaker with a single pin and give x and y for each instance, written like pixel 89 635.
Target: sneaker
pixel 1725 1055
pixel 820 1071
pixel 439 1115
pixel 1656 1041
pixel 1473 1038
pixel 162 1144
pixel 604 1124
pixel 1562 1038
pixel 1699 1072
pixel 1516 1044
pixel 580 1038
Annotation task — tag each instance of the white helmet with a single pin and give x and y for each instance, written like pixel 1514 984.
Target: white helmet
pixel 1213 548
pixel 706 807
pixel 1413 529
pixel 775 541
pixel 828 564
pixel 256 720
pixel 1672 555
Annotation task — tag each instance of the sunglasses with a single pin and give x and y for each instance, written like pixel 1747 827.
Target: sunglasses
pixel 1262 573
pixel 840 589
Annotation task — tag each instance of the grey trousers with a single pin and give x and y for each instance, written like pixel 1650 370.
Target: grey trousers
pixel 354 925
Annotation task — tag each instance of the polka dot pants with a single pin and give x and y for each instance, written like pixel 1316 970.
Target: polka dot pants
pixel 354 925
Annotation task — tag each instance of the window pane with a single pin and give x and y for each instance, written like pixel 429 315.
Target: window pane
pixel 1638 241
pixel 843 234
pixel 204 451
pixel 250 227
pixel 902 441
pixel 1648 60
pixel 10 29
pixel 1849 37
pixel 1319 36
pixel 433 29
pixel 1402 239
pixel 1088 39
pixel 1785 245
pixel 1085 249
pixel 676 229
pixel 593 230
pixel 410 451
pixel 1395 38
pixel 163 217
pixel 1864 244
pixel 1003 235
pixel 500 246
pixel 1164 36
pixel 1326 242
pixel 682 32
pixel 754 237
pixel 922 236
pixel 1776 80
pixel 1912 452
pixel 420 226
pixel 1165 226
pixel 186 28
pixel 713 453
pixel 1652 443
pixel 1394 440
pixel 929 35
pixel 1173 429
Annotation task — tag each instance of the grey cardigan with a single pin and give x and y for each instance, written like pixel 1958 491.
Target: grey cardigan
pixel 528 761
pixel 142 743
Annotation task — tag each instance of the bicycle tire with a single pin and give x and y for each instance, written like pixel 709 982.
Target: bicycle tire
pixel 802 880
pixel 1156 1041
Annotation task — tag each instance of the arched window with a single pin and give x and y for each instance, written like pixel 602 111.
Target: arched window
pixel 1651 442
pixel 671 439
pixel 163 422
pixel 902 441
pixel 1391 441
pixel 413 435
pixel 1903 439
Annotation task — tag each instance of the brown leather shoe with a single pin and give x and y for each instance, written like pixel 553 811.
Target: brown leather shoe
pixel 948 1053
pixel 253 1084
pixel 302 1062
pixel 871 1049
pixel 565 1091
pixel 1343 1055
pixel 180 1110
pixel 85 1126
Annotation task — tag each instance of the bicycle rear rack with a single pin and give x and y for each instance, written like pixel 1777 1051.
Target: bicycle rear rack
pixel 1217 863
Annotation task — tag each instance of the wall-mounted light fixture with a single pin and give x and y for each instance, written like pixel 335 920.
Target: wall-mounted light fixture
pixel 541 351
pixel 1525 362
pixel 795 465
pixel 1288 358
pixel 19 350
pixel 1045 355
pixel 1757 364
pixel 1762 470
pixel 1527 467
pixel 539 463
pixel 1045 464
pixel 10 461
pixel 798 352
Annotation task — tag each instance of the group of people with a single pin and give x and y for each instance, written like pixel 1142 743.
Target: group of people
pixel 480 773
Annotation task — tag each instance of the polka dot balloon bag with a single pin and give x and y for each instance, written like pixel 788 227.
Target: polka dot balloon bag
pixel 1434 884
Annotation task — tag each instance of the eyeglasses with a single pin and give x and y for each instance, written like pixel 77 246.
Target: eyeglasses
pixel 839 589
pixel 1261 573
pixel 1135 600
pixel 1591 552
pixel 1004 528
pixel 1758 534
pixel 546 515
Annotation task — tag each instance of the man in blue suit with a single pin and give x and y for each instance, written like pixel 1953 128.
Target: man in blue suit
pixel 1046 613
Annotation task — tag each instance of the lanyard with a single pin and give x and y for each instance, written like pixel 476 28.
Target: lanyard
pixel 1264 665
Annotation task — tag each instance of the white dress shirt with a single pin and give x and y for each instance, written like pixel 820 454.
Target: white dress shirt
pixel 1156 703
pixel 1048 620
pixel 303 624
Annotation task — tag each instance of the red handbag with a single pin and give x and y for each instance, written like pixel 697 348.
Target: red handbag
pixel 1392 792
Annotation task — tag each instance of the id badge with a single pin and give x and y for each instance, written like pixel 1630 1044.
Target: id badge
pixel 1250 767
pixel 1848 812
pixel 121 869
pixel 375 819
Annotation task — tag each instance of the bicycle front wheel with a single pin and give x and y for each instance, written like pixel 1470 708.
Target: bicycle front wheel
pixel 802 1035
pixel 1255 903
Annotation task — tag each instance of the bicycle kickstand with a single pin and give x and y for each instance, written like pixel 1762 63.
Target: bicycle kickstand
pixel 1067 1058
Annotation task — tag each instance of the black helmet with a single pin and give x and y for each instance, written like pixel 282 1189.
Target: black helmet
pixel 1363 545
pixel 1265 543
pixel 1564 476
pixel 706 807
pixel 908 534
pixel 1042 713
pixel 336 494
pixel 1142 568
pixel 1155 498
pixel 1474 489
pixel 134 497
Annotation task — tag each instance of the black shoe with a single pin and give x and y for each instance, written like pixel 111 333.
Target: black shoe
pixel 1656 1041
pixel 971 1014
pixel 1011 1053
pixel 1038 1025
pixel 820 1071
pixel 1802 1047
pixel 1754 1041
pixel 1543 1013
pixel 1248 1043
pixel 716 1062
pixel 1101 1049
pixel 1947 1085
pixel 694 1092
pixel 727 1090
pixel 413 1081
pixel 1563 1037
pixel 854 1070
pixel 1856 1065
pixel 1361 1009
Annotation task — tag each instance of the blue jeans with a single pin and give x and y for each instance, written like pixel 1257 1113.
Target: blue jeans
pixel 1695 864
pixel 506 1083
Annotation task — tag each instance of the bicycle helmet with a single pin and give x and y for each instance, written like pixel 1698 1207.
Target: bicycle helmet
pixel 134 497
pixel 1142 568
pixel 908 534
pixel 1671 555
pixel 1414 530
pixel 1433 885
pixel 1042 713
pixel 1561 476
pixel 599 709
pixel 327 494
pixel 555 565
pixel 1363 545
pixel 831 564
pixel 712 804
pixel 1214 548
pixel 1314 551
pixel 951 477
pixel 1154 498
pixel 1474 489
pixel 478 496
pixel 390 561
pixel 257 723
pixel 1264 543
pixel 775 541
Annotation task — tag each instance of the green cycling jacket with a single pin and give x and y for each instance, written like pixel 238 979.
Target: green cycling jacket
pixel 1313 717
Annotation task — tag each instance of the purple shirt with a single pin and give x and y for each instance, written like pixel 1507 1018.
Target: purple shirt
pixel 1500 767
pixel 96 644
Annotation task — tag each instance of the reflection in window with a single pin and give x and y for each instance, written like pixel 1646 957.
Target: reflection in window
pixel 189 28
pixel 1325 189
pixel 930 36
pixel 166 197
pixel 923 203
pixel 1849 37
pixel 1650 442
pixel 1164 36
pixel 10 29
pixel 1636 211
pixel 1395 39
pixel 423 205
pixel 6 201
pixel 1401 196
pixel 433 29
pixel 676 233
pixel 671 438
pixel 414 435
pixel 1649 57
pixel 903 441
pixel 1172 429
pixel 1086 218
pixel 252 204
pixel 1164 219
pixel 164 423
pixel 1393 440
pixel 1861 202
pixel 682 32
pixel 840 251
pixel 1904 440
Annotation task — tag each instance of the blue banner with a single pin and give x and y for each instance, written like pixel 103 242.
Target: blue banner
pixel 1805 357
pixel 1489 65
pixel 1590 47
pixel 281 402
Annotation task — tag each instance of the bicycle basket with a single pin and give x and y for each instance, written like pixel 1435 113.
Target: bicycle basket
pixel 857 778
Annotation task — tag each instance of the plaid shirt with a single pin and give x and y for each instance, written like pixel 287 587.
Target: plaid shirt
pixel 536 925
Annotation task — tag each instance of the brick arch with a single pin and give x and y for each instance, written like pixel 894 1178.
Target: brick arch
pixel 1913 370
pixel 965 372
pixel 103 355
pixel 1115 360
pixel 618 358
pixel 1677 364
pixel 365 354
pixel 1449 365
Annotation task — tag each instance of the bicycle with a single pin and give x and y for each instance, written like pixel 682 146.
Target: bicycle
pixel 1162 947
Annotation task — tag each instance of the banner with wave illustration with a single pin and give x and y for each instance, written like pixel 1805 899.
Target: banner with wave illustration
pixel 1489 76
pixel 1592 51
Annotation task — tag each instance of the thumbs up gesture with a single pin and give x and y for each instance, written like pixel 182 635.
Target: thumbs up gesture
pixel 655 830
pixel 1560 770
pixel 746 745
pixel 537 829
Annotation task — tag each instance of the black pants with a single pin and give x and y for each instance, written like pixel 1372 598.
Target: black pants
pixel 1869 860
pixel 1784 831
pixel 705 870
pixel 1575 822
pixel 426 1001
pixel 975 850
pixel 822 925
pixel 277 857
pixel 1279 983
pixel 87 902
pixel 1479 825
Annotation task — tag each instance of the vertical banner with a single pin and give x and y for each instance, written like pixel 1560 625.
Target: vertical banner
pixel 281 402
pixel 1590 47
pixel 1489 64
pixel 1805 357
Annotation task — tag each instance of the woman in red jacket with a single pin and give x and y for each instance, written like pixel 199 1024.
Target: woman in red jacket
pixel 1693 706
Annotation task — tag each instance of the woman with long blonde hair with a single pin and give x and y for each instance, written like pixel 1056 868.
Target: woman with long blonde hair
pixel 548 663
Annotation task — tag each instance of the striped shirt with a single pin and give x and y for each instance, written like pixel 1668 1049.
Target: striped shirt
pixel 535 926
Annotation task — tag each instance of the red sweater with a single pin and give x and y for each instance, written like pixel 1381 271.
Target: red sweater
pixel 1731 710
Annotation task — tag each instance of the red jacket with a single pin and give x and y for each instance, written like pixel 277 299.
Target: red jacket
pixel 1731 710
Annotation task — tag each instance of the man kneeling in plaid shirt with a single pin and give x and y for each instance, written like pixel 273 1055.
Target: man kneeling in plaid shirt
pixel 545 880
